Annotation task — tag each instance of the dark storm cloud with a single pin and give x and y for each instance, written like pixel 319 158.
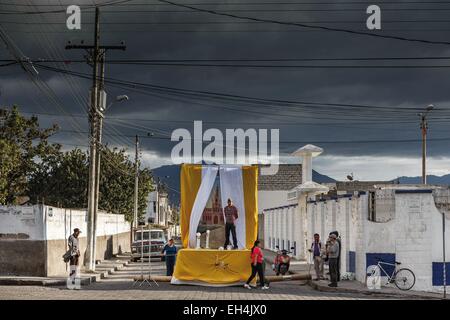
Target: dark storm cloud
pixel 395 88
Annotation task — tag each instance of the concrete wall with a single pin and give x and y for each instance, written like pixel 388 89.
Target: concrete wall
pixel 408 228
pixel 270 199
pixel 34 238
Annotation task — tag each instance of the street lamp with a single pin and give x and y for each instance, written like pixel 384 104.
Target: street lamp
pixel 103 108
pixel 424 128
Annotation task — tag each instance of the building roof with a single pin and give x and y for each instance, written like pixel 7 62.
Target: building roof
pixel 356 185
pixel 287 177
pixel 309 149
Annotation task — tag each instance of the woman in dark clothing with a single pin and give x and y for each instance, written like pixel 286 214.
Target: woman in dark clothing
pixel 170 252
pixel 257 266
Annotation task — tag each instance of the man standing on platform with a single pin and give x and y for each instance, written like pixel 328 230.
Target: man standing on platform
pixel 231 214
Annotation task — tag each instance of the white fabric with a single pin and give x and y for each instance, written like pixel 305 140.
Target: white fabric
pixel 209 174
pixel 231 186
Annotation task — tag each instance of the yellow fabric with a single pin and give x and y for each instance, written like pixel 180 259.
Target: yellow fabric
pixel 190 180
pixel 213 266
pixel 250 181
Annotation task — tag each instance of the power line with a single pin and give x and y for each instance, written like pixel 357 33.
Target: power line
pixel 290 10
pixel 296 123
pixel 233 96
pixel 239 3
pixel 259 21
pixel 125 61
pixel 375 35
pixel 291 141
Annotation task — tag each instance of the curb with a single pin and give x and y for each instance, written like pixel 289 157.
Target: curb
pixel 86 278
pixel 44 282
pixel 322 288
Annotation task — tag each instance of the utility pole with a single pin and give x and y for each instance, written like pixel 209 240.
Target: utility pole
pixel 96 54
pixel 424 129
pixel 136 182
pixel 91 234
pixel 101 104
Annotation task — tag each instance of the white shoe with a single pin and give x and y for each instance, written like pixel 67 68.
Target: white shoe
pixel 265 288
pixel 246 286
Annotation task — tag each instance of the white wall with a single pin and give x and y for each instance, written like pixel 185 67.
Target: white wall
pixel 48 223
pixel 24 222
pixel 271 199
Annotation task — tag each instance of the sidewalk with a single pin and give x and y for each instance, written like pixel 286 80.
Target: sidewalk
pixel 347 286
pixel 103 268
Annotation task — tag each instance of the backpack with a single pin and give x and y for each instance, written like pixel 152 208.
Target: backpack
pixel 66 256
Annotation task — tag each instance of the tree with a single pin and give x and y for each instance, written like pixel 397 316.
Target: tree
pixel 32 167
pixel 61 180
pixel 24 146
pixel 117 183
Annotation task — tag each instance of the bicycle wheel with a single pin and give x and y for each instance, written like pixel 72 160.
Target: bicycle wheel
pixel 404 279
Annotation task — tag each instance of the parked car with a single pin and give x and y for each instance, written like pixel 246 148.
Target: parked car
pixel 153 240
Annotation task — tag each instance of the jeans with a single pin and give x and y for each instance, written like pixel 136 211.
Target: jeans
pixel 170 263
pixel 258 269
pixel 230 227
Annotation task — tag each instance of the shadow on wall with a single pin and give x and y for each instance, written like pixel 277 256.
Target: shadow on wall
pixel 109 248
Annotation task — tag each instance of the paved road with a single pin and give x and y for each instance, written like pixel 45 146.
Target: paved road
pixel 119 285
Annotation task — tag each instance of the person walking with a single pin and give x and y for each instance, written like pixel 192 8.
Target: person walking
pixel 74 248
pixel 257 261
pixel 231 214
pixel 317 251
pixel 333 254
pixel 170 253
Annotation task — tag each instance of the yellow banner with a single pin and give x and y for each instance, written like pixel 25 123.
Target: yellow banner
pixel 213 266
pixel 190 180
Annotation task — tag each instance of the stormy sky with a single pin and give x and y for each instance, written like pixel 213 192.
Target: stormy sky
pixel 339 96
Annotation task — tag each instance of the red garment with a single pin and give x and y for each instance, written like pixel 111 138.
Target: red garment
pixel 258 254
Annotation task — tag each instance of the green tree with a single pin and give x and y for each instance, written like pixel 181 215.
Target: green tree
pixel 117 183
pixel 61 180
pixel 24 147
pixel 31 166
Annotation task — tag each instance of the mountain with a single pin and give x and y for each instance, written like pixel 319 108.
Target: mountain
pixel 431 179
pixel 170 175
pixel 321 178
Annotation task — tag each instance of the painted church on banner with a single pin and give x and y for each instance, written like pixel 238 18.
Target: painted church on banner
pixel 213 212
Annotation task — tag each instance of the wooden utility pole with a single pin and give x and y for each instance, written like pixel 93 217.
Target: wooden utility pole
pixel 96 54
pixel 90 261
pixel 424 127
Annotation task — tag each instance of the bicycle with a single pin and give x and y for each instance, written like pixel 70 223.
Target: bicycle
pixel 403 278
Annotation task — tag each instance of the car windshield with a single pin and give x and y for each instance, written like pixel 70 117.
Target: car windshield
pixel 138 235
pixel 157 235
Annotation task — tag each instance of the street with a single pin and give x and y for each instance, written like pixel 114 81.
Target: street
pixel 119 286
